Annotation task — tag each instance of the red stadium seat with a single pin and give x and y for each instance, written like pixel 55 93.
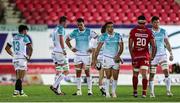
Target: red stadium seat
pixel 95 11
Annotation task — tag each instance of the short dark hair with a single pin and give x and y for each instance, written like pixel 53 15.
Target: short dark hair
pixel 80 20
pixel 154 18
pixel 142 17
pixel 22 27
pixel 62 19
pixel 103 29
pixel 110 22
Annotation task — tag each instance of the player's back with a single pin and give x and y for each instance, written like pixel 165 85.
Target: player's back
pixel 141 37
pixel 59 30
pixel 18 43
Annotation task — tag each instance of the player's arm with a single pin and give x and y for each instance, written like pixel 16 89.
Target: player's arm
pixel 168 46
pixel 8 49
pixel 154 48
pixel 96 53
pixel 130 44
pixel 121 47
pixel 29 50
pixel 68 43
pixel 61 40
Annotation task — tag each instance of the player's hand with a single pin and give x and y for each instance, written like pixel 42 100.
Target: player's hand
pixel 89 50
pixel 117 59
pixel 171 57
pixel 74 50
pixel 64 52
pixel 27 58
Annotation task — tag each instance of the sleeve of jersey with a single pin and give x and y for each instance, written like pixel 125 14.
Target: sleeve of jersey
pixel 10 42
pixel 165 34
pixel 93 34
pixel 131 34
pixel 101 38
pixel 72 35
pixel 120 38
pixel 26 40
pixel 60 31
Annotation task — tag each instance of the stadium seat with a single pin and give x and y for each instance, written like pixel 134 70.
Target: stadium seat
pixel 95 11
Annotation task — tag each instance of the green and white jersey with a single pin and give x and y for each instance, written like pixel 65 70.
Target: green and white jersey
pixel 59 30
pixel 82 39
pixel 18 43
pixel 111 43
pixel 159 36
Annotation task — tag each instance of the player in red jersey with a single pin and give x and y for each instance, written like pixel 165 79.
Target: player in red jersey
pixel 139 40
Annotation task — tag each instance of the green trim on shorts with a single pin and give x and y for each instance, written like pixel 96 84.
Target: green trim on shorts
pixel 59 68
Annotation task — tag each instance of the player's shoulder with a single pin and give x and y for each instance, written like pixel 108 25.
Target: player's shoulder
pixel 162 30
pixel 60 27
pixel 76 30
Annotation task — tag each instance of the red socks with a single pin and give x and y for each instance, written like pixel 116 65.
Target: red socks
pixel 135 83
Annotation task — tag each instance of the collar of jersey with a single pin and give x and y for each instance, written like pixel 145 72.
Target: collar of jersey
pixel 111 35
pixel 82 31
pixel 156 31
pixel 22 35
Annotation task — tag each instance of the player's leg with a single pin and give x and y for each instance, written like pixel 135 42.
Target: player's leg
pixel 17 84
pixel 20 66
pixel 165 68
pixel 78 68
pixel 151 79
pixel 144 71
pixel 60 65
pixel 115 73
pixel 64 75
pixel 108 77
pixel 107 64
pixel 135 64
pixel 135 81
pixel 89 81
pixel 101 83
pixel 86 61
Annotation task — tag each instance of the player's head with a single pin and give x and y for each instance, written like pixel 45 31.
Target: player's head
pixel 142 20
pixel 109 27
pixel 155 22
pixel 62 21
pixel 23 29
pixel 80 24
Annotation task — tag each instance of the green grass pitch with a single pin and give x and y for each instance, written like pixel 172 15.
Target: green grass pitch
pixel 41 93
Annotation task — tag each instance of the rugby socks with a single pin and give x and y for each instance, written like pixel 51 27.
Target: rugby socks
pixel 107 86
pixel 18 85
pixel 78 80
pixel 89 83
pixel 168 83
pixel 114 86
pixel 58 80
pixel 135 83
pixel 151 86
pixel 144 84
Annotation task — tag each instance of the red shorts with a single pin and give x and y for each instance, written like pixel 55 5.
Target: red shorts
pixel 137 63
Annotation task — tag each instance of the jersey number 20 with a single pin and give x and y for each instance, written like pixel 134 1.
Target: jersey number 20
pixel 141 42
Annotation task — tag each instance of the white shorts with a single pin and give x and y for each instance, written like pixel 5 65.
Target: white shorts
pixel 20 64
pixel 108 62
pixel 85 59
pixel 100 59
pixel 158 59
pixel 59 58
